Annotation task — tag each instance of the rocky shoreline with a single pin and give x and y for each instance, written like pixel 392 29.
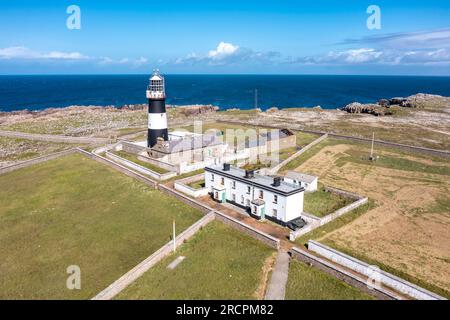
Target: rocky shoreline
pixel 389 106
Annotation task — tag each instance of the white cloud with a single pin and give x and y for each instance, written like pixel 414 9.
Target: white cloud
pixel 123 61
pixel 223 50
pixel 227 54
pixel 26 53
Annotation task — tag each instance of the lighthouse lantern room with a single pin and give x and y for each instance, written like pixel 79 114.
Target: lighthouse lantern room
pixel 157 118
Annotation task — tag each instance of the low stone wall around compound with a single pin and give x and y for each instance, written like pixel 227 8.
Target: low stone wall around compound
pixel 119 167
pixel 258 235
pixel 37 160
pixel 316 222
pixel 367 270
pixel 182 185
pixel 162 164
pixel 298 153
pixel 189 201
pixel 342 274
pixel 132 275
pixel 139 168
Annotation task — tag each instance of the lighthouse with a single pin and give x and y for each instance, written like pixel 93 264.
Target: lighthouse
pixel 157 118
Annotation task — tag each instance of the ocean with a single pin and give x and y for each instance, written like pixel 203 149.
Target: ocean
pixel 226 91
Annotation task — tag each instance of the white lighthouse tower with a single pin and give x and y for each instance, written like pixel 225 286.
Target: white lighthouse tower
pixel 157 118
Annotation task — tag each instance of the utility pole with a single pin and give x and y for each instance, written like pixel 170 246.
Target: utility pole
pixel 371 149
pixel 174 236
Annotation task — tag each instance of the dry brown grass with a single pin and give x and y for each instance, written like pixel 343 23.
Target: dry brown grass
pixel 409 230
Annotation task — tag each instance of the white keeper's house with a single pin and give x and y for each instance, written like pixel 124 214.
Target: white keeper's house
pixel 263 197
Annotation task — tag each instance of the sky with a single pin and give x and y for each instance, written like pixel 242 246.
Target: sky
pixel 226 37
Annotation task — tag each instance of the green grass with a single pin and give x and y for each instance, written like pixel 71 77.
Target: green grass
pixel 394 271
pixel 392 162
pixel 335 224
pixel 304 138
pixel 186 175
pixel 221 263
pixel 197 184
pixel 76 211
pixel 321 202
pixel 309 283
pixel 12 149
pixel 134 158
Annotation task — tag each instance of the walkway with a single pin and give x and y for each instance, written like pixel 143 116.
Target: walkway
pixel 277 285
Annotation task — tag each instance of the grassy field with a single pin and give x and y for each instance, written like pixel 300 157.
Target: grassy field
pixel 221 263
pixel 406 227
pixel 309 283
pixel 321 202
pixel 12 149
pixel 304 138
pixel 134 158
pixel 75 211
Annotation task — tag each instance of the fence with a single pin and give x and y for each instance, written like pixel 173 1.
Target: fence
pixel 315 222
pixel 365 269
pixel 298 153
pixel 132 275
pixel 343 275
pixel 139 168
pixel 37 160
pixel 182 185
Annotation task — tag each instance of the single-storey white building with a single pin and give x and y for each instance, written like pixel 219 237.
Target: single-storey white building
pixel 263 197
pixel 304 180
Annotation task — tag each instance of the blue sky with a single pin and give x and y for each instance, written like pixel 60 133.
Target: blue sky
pixel 215 36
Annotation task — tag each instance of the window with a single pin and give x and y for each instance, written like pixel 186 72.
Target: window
pixel 242 199
pixel 212 177
pixel 248 189
pixel 275 213
pixel 234 197
pixel 261 194
pixel 248 203
pixel 275 198
pixel 233 185
pixel 222 180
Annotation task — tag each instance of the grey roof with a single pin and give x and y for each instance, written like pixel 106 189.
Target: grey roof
pixel 263 138
pixel 300 176
pixel 263 182
pixel 193 142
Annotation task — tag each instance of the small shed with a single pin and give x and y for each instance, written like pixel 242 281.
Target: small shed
pixel 307 181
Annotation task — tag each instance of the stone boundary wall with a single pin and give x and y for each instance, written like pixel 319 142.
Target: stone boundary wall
pixel 132 275
pixel 131 147
pixel 367 270
pixel 343 275
pixel 442 153
pixel 344 193
pixel 275 169
pixel 189 201
pixel 139 168
pixel 53 137
pixel 258 235
pixel 182 186
pixel 37 160
pixel 315 223
pixel 162 164
pixel 153 184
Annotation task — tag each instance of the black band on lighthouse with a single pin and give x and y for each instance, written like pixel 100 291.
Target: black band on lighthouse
pixel 156 106
pixel 154 134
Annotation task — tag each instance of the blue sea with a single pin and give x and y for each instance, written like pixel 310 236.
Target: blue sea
pixel 227 91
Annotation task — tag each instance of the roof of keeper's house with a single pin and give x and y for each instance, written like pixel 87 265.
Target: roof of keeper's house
pixel 303 177
pixel 260 181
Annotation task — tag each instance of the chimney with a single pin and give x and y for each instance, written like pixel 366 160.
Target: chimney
pixel 276 181
pixel 249 174
pixel 226 167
